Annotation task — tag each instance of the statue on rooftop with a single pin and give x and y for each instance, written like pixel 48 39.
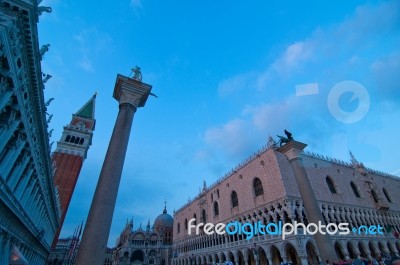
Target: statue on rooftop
pixel 43 50
pixel 284 140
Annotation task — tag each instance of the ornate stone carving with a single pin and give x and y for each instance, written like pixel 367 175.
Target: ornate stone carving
pixel 42 9
pixel 49 118
pixel 3 85
pixel 48 102
pixel 43 50
pixel 46 78
pixel 271 142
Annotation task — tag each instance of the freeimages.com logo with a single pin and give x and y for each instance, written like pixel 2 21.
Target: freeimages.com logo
pixel 259 228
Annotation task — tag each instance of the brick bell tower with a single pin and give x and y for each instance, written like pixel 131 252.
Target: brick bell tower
pixel 70 153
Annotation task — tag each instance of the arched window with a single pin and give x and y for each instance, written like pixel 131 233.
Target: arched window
pixel 331 186
pixel 72 139
pixel 234 199
pixel 257 186
pixel 212 197
pixel 216 209
pixel 81 141
pixel 186 224
pixel 355 190
pixel 386 195
pixel 217 193
pixel 374 196
pixel 179 227
pixel 77 140
pixel 203 216
pixel 195 219
pixel 68 138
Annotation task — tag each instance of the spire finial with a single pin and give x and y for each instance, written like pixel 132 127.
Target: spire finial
pixel 165 207
pixel 352 158
pixel 148 225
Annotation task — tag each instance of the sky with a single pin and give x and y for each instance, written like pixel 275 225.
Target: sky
pixel 227 74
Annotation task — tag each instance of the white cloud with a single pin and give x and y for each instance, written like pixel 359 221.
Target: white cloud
pixel 136 4
pixel 241 136
pixel 385 72
pixel 237 83
pixel 344 43
pixel 331 54
pixel 294 55
pixel 232 137
pixel 90 42
pixel 137 7
pixel 86 64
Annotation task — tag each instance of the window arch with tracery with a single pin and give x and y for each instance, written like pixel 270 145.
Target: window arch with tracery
pixel 234 199
pixel 216 209
pixel 330 184
pixel 387 195
pixel 355 189
pixel 257 186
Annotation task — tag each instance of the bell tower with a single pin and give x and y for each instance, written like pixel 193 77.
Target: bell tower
pixel 70 153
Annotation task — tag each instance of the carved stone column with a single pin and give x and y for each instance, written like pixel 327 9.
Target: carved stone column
pixel 130 94
pixel 292 150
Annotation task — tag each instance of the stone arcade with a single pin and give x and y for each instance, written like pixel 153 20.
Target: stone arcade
pixel 264 188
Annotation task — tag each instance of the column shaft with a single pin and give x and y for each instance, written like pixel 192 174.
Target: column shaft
pixel 94 240
pixel 324 244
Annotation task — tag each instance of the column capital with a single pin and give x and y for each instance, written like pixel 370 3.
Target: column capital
pixel 292 149
pixel 131 91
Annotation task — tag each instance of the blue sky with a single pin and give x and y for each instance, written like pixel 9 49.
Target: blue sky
pixel 227 75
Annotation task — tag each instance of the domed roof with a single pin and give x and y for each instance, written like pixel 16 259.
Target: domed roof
pixel 164 220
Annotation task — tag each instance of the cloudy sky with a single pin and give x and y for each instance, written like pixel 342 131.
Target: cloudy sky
pixel 227 75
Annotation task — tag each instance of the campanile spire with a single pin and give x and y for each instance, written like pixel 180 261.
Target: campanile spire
pixel 70 153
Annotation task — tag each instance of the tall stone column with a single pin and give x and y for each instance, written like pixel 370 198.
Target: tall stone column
pixel 292 150
pixel 130 94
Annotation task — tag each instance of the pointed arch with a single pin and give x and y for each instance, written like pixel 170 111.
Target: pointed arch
pixel 234 199
pixel 331 184
pixel 216 209
pixel 355 189
pixel 374 196
pixel 203 217
pixel 387 195
pixel 257 187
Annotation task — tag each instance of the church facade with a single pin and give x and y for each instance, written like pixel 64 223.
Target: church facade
pixel 29 205
pixel 264 190
pixel 152 246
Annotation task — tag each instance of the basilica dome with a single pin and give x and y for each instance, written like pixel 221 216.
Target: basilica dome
pixel 164 220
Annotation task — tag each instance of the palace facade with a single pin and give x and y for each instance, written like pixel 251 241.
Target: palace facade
pixel 29 205
pixel 264 188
